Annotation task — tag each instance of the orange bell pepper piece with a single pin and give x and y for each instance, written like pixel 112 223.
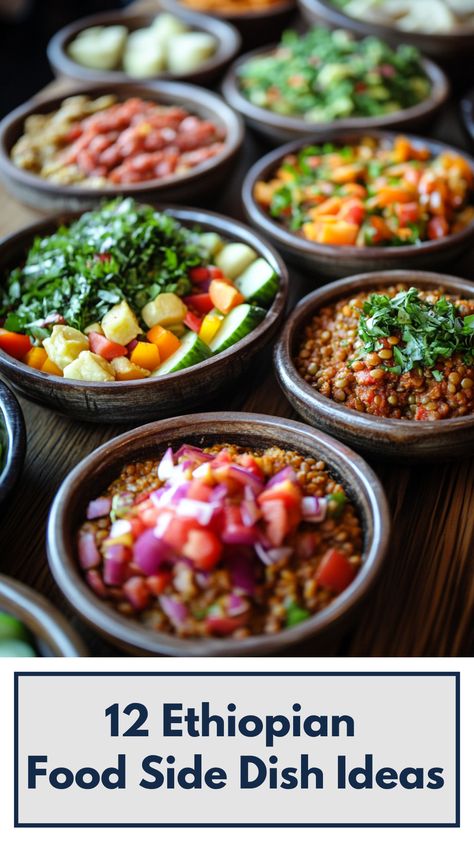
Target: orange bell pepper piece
pixel 166 342
pixel 145 355
pixel 225 297
pixel 15 344
pixel 36 357
pixel 49 367
pixel 338 233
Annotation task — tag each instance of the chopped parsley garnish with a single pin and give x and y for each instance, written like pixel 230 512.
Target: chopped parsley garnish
pixel 427 330
pixel 122 250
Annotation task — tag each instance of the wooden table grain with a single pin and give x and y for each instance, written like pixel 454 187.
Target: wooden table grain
pixel 423 604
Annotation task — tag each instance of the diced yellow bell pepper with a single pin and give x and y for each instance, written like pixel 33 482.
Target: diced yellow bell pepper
pixel 36 357
pixel 145 355
pixel 210 325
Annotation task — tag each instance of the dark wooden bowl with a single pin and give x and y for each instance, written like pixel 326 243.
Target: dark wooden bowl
pixel 338 261
pixel 256 27
pixel 145 400
pixel 467 114
pixel 227 37
pixel 97 470
pixel 388 438
pixel 53 636
pixel 42 194
pixel 279 128
pixel 447 47
pixel 13 438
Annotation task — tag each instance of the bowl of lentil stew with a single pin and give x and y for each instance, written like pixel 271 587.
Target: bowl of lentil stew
pixel 338 217
pixel 383 361
pixel 321 463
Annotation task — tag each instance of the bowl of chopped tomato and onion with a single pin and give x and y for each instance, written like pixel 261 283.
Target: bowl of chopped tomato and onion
pixel 218 534
pixel 129 313
pixel 356 202
pixel 385 361
pixel 166 141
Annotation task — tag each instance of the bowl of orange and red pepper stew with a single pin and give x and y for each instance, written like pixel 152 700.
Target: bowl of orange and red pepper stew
pixel 358 202
pixel 201 536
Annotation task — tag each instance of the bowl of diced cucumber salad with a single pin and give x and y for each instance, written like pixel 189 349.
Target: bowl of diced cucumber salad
pixel 130 313
pixel 30 627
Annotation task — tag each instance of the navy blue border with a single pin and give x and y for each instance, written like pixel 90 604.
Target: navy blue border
pixel 455 675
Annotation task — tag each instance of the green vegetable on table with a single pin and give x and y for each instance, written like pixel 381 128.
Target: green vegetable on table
pixel 14 638
pixel 324 76
pixel 122 250
pixel 428 330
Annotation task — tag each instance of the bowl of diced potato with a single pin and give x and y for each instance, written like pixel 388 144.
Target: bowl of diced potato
pixel 119 47
pixel 150 324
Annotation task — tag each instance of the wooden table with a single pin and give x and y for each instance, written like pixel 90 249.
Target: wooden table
pixel 423 604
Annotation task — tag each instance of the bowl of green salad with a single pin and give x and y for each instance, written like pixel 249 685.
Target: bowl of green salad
pixel 324 79
pixel 131 313
pixel 12 440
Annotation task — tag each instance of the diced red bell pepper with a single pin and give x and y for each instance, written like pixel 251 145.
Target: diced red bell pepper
pixel 203 548
pixel 199 274
pixel 193 322
pixel 277 521
pixel 335 572
pixel 105 348
pixel 201 302
pixel 223 626
pixel 15 344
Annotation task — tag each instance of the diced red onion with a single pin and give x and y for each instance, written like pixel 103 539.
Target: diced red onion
pixel 164 520
pixel 314 509
pixel 156 496
pixel 150 552
pixel 174 610
pixel 237 534
pixel 219 493
pixel 250 512
pixel 131 345
pixel 95 581
pixel 166 466
pixel 286 474
pixel 242 570
pixel 236 605
pixel 202 578
pixel 99 508
pixel 274 555
pixel 120 528
pixel 89 555
pixel 137 592
pixel 116 570
pixel 174 493
pixel 198 510
pixel 245 477
pixel 194 453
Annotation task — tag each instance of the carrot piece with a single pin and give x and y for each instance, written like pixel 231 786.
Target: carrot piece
pixel 166 342
pixel 145 355
pixel 36 357
pixel 15 344
pixel 49 367
pixel 225 297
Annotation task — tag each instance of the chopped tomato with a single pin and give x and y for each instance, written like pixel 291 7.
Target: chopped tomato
pixel 198 490
pixel 286 490
pixel 15 344
pixel 215 272
pixel 234 531
pixel 335 572
pixel 105 347
pixel 177 531
pixel 199 274
pixel 247 461
pixel 421 414
pixel 352 211
pixel 203 548
pixel 193 322
pixel 137 592
pixel 201 302
pixel 223 626
pixel 437 227
pixel 407 212
pixel 159 582
pixel 277 522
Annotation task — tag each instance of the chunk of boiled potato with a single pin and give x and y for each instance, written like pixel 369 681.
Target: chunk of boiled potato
pixel 126 370
pixel 188 51
pixel 95 327
pixel 144 54
pixel 120 324
pixel 234 259
pixel 65 344
pixel 165 26
pixel 211 242
pixel 166 309
pixel 89 366
pixel 99 47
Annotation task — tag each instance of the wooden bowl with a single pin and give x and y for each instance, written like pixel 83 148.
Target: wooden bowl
pixel 136 401
pixel 13 439
pixel 47 196
pixel 338 261
pixel 97 470
pixel 255 27
pixel 53 636
pixel 227 38
pixel 447 47
pixel 279 128
pixel 388 438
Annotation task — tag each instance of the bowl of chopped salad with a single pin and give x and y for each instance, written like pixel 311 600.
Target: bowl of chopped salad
pixel 165 141
pixel 218 534
pixel 12 441
pixel 385 361
pixel 31 627
pixel 324 78
pixel 129 313
pixel 357 202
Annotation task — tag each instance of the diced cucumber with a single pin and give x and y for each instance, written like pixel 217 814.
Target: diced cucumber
pixel 211 242
pixel 234 259
pixel 258 283
pixel 191 351
pixel 237 324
